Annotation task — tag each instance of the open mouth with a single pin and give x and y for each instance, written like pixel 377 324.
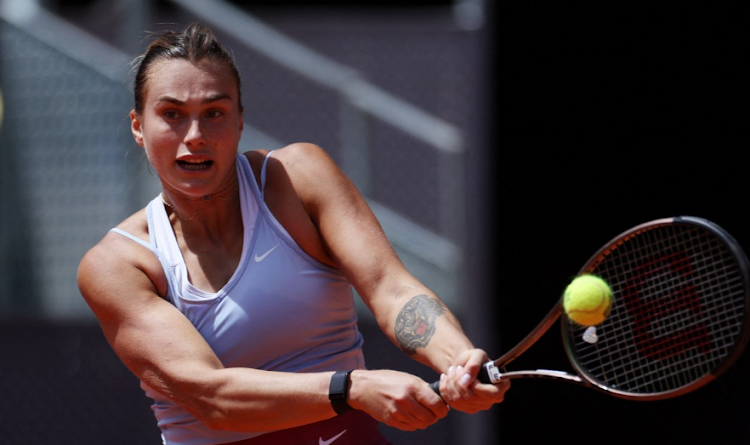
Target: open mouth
pixel 195 165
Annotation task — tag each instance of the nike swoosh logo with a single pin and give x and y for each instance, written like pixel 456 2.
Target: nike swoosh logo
pixel 331 440
pixel 259 258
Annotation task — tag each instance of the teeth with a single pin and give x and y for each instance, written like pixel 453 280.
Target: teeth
pixel 194 164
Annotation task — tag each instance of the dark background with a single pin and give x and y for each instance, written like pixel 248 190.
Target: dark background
pixel 608 115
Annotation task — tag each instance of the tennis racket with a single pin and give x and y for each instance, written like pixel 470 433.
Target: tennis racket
pixel 679 316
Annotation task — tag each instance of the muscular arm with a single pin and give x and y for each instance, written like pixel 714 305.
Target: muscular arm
pixel 124 285
pixel 415 324
pixel 350 238
pixel 163 349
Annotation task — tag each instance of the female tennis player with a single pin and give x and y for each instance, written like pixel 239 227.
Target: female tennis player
pixel 230 294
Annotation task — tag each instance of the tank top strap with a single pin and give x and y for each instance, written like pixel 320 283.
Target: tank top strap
pixel 263 174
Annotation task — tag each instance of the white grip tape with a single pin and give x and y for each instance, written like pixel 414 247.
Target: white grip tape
pixel 492 371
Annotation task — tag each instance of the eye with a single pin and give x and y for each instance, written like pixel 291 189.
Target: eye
pixel 170 114
pixel 214 113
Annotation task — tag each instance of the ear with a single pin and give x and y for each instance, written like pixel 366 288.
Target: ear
pixel 136 128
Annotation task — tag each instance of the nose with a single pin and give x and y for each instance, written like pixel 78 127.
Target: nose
pixel 195 135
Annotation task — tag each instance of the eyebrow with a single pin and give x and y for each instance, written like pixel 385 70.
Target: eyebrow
pixel 209 99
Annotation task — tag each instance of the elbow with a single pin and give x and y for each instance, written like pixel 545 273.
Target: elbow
pixel 219 419
pixel 206 408
pixel 195 398
pixel 220 414
pixel 209 412
pixel 214 403
pixel 214 418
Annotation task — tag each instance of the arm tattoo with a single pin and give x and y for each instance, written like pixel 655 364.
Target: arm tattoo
pixel 415 324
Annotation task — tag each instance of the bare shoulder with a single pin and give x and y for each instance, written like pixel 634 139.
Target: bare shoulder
pixel 114 248
pixel 115 261
pixel 300 149
pixel 302 166
pixel 303 155
pixel 310 167
pixel 292 154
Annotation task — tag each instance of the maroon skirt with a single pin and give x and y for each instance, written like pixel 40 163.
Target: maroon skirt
pixel 352 428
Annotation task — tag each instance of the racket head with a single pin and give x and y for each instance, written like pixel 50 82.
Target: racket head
pixel 679 316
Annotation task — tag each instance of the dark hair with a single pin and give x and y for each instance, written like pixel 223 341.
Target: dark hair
pixel 195 43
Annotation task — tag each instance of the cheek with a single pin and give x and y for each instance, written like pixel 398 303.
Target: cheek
pixel 160 148
pixel 152 157
pixel 233 129
pixel 160 138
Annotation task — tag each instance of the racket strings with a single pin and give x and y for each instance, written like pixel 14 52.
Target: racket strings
pixel 678 310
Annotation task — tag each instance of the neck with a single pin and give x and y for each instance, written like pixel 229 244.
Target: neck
pixel 191 207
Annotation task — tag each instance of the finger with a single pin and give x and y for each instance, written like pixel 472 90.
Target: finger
pixel 475 362
pixel 490 394
pixel 414 418
pixel 500 387
pixel 432 403
pixel 464 378
pixel 452 381
pixel 455 388
pixel 467 377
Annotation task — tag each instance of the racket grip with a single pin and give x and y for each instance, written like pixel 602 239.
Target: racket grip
pixel 483 376
pixel 435 387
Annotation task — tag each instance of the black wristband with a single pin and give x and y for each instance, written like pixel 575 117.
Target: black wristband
pixel 338 392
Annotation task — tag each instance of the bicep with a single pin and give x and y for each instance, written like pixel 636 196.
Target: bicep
pixel 351 233
pixel 152 338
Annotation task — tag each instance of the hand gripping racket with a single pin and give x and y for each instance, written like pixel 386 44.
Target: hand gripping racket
pixel 678 318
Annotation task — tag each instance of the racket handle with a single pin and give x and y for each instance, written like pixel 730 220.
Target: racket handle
pixel 489 373
pixel 435 387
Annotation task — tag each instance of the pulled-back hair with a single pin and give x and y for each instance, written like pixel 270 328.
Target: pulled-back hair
pixel 197 42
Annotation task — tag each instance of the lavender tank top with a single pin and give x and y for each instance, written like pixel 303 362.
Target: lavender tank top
pixel 280 311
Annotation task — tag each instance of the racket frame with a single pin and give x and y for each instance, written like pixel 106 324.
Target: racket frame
pixel 494 371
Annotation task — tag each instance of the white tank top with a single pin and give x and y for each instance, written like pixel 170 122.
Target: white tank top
pixel 281 310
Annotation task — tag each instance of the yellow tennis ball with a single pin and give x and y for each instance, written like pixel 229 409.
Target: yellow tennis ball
pixel 587 300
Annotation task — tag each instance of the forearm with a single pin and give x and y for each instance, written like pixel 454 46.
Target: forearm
pixel 240 399
pixel 426 330
pixel 252 400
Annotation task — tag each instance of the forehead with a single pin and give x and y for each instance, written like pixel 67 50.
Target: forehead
pixel 182 79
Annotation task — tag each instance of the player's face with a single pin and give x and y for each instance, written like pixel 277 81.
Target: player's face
pixel 191 125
